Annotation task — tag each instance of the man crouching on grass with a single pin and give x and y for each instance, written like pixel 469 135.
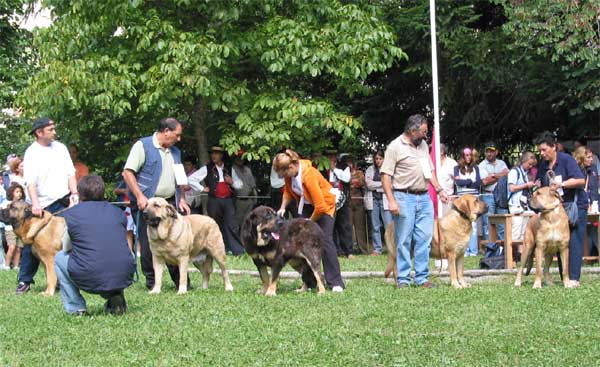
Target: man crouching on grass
pixel 95 256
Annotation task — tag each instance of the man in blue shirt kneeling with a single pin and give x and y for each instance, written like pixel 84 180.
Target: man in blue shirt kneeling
pixel 95 256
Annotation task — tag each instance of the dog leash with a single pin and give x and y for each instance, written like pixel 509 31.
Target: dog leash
pixel 440 247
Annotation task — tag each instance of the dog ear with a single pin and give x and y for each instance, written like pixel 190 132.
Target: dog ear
pixel 171 211
pixel 556 194
pixel 463 206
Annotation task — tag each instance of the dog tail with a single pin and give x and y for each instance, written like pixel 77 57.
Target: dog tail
pixel 529 261
pixel 388 271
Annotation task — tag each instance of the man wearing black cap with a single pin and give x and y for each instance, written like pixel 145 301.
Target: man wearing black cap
pixel 51 184
pixel 220 186
pixel 491 169
pixel 152 170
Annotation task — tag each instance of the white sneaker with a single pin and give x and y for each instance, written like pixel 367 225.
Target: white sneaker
pixel 337 289
pixel 4 267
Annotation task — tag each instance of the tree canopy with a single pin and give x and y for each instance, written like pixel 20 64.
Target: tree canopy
pixel 252 75
pixel 262 75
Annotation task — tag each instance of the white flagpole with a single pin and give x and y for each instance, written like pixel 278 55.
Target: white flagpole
pixel 436 103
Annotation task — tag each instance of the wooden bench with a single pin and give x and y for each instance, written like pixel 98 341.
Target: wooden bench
pixel 506 220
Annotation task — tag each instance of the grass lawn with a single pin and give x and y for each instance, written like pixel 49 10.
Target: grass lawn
pixel 371 324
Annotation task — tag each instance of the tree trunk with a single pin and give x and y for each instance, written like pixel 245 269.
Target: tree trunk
pixel 198 118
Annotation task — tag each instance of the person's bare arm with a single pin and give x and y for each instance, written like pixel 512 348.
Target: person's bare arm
pixel 386 182
pixel 131 181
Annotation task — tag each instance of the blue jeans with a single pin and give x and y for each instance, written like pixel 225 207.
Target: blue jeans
pixel 576 245
pixel 69 292
pixel 380 218
pixel 29 264
pixel 489 200
pixel 413 225
pixel 473 248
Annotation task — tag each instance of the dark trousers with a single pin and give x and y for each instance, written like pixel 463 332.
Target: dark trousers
pixel 146 253
pixel 576 245
pixel 29 264
pixel 359 220
pixel 331 264
pixel 223 212
pixel 343 230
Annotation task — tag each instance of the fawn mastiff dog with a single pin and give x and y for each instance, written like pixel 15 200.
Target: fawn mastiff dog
pixel 545 235
pixel 451 235
pixel 44 234
pixel 177 239
pixel 272 241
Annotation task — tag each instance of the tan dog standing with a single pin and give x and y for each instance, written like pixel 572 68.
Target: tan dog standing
pixel 451 236
pixel 44 234
pixel 547 234
pixel 177 239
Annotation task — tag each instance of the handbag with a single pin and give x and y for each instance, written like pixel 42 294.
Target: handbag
pixel 571 209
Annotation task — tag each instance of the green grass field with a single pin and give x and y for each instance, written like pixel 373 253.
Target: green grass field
pixel 371 324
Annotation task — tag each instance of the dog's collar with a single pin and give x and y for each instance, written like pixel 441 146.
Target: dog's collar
pixel 546 210
pixel 461 213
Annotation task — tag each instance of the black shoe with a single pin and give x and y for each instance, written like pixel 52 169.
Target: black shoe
pixel 402 285
pixel 22 288
pixel 79 313
pixel 116 305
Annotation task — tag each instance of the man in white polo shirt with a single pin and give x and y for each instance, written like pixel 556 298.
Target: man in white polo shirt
pixel 51 185
pixel 491 169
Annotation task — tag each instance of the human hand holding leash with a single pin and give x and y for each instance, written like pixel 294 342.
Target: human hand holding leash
pixel 281 212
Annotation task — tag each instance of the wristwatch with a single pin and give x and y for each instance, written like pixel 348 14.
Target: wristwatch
pixel 439 190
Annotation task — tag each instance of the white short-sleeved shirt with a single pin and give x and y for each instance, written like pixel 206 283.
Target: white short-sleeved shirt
pixel 49 169
pixel 487 168
pixel 516 176
pixel 446 176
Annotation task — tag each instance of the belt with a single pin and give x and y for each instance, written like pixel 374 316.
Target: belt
pixel 488 191
pixel 413 192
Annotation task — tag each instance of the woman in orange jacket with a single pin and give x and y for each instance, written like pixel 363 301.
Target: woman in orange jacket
pixel 310 189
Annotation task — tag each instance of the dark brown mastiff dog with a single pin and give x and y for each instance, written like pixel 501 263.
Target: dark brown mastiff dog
pixel 44 234
pixel 272 241
pixel 546 234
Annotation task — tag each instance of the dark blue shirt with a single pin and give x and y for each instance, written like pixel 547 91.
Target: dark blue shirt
pixel 592 178
pixel 567 167
pixel 100 259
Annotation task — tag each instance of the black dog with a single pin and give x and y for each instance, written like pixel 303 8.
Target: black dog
pixel 272 241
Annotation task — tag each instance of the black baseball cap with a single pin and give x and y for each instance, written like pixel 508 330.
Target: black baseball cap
pixel 40 123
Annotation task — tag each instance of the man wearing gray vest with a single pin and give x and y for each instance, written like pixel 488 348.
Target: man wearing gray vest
pixel 150 171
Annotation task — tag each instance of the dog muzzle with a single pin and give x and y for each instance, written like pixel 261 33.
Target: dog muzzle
pixel 151 220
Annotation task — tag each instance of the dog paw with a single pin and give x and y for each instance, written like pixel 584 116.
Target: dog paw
pixel 182 291
pixel 465 285
pixel 260 291
pixel 270 293
pixel 229 288
pixel 456 286
pixel 517 284
pixel 154 291
pixel 47 294
pixel 537 285
pixel 302 289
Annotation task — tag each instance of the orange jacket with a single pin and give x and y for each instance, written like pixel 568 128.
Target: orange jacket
pixel 315 188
